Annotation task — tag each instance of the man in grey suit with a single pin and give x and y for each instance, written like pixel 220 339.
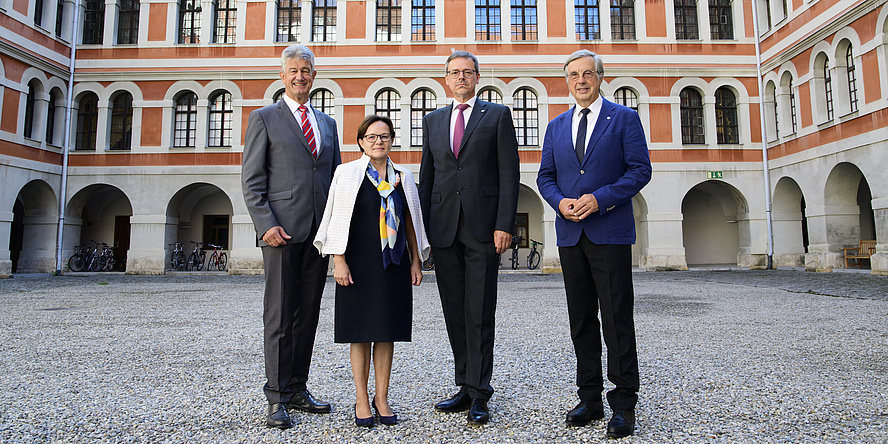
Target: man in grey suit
pixel 468 187
pixel 290 153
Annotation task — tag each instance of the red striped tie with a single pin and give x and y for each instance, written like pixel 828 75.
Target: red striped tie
pixel 308 132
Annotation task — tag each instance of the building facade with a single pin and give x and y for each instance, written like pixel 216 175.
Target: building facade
pixel 150 151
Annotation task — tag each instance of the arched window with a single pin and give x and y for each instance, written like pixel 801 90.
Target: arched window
pixel 289 20
pixel 686 26
pixel 776 114
pixel 189 21
pixel 185 120
pixel 278 96
pixel 388 103
pixel 491 95
pixel 587 19
pixel 792 108
pixel 93 22
pixel 827 90
pixel 322 100
pixel 422 103
pixel 51 115
pixel 852 79
pixel 726 116
pixel 87 122
pixel 525 114
pixel 221 115
pixel 626 97
pixel 30 104
pixel 623 19
pixel 692 128
pixel 122 122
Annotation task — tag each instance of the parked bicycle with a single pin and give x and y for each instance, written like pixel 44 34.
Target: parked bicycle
pixel 218 259
pixel 106 260
pixel 533 259
pixel 428 264
pixel 197 258
pixel 177 257
pixel 516 242
pixel 78 259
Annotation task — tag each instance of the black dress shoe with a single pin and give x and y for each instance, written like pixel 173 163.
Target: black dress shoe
pixel 478 413
pixel 621 424
pixel 363 422
pixel 305 402
pixel 384 420
pixel 277 416
pixel 456 403
pixel 585 412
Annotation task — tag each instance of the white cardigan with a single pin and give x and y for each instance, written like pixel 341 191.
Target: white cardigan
pixel 332 237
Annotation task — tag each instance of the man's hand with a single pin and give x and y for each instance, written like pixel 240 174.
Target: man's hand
pixel 502 241
pixel 585 205
pixel 275 236
pixel 566 207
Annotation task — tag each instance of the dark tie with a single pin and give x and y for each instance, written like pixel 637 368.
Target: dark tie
pixel 459 129
pixel 308 132
pixel 581 134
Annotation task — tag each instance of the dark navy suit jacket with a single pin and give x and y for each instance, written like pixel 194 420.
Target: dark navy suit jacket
pixel 616 166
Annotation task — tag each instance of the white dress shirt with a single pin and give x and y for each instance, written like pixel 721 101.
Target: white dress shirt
pixel 294 108
pixel 594 112
pixel 466 114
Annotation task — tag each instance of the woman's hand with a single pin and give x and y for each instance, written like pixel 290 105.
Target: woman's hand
pixel 341 273
pixel 416 271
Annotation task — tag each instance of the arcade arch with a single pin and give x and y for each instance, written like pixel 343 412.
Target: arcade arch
pixel 715 224
pixel 33 229
pixel 99 213
pixel 199 212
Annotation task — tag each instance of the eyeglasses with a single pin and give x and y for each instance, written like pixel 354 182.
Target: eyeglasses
pixel 586 75
pixel 454 73
pixel 372 137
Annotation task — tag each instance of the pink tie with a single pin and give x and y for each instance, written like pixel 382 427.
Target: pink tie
pixel 308 132
pixel 459 128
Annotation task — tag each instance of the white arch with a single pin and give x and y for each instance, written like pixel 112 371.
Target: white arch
pixel 219 85
pixel 426 83
pixel 527 82
pixel 178 87
pixel 381 84
pixel 130 87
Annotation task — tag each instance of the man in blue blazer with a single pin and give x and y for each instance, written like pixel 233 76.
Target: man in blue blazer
pixel 594 159
pixel 290 153
pixel 468 189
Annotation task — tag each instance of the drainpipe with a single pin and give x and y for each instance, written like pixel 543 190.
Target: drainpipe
pixel 765 169
pixel 66 141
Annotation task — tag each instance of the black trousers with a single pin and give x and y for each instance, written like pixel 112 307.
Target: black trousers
pixel 294 282
pixel 599 278
pixel 466 273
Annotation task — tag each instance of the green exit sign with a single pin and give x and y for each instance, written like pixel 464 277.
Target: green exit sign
pixel 715 175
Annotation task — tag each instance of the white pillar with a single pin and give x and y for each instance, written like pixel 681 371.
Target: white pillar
pixel 665 249
pixel 244 257
pixel 147 250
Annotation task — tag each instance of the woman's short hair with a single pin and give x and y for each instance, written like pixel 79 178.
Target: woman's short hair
pixel 370 120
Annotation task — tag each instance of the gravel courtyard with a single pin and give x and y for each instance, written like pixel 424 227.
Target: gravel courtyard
pixel 725 356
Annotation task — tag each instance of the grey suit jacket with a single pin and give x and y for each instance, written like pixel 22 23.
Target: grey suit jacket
pixel 282 182
pixel 483 182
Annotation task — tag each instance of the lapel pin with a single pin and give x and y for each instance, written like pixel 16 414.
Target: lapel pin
pixel 608 117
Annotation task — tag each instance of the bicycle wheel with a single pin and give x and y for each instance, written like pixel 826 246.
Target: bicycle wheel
pixel 223 261
pixel 181 264
pixel 515 259
pixel 533 260
pixel 428 264
pixel 76 263
pixel 202 260
pixel 110 263
pixel 191 262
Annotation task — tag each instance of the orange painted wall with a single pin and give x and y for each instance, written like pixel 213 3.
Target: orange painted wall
pixel 557 19
pixel 20 6
pixel 871 87
pixel 805 111
pixel 354 114
pixel 152 125
pixel 9 120
pixel 246 119
pixel 154 90
pixel 661 125
pixel 255 21
pixel 356 13
pixel 748 25
pixel 866 26
pixel 755 124
pixel 455 25
pixel 655 16
pixel 554 111
pixel 157 17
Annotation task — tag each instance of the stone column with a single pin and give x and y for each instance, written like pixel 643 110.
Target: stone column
pixel 753 231
pixel 879 261
pixel 244 257
pixel 5 260
pixel 828 227
pixel 39 243
pixel 551 263
pixel 147 252
pixel 665 251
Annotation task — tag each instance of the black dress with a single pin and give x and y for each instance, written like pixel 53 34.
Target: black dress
pixel 378 307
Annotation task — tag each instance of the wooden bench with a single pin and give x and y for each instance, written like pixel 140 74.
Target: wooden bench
pixel 859 253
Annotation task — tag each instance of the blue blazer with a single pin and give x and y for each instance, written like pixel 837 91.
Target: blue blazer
pixel 616 167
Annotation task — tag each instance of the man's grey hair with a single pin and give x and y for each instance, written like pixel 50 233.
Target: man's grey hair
pixel 462 55
pixel 297 52
pixel 599 65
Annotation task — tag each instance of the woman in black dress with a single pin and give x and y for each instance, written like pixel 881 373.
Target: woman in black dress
pixel 372 225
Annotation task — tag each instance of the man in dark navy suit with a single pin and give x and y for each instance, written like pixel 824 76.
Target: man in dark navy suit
pixel 468 187
pixel 594 159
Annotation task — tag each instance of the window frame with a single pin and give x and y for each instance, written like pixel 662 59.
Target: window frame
pixel 727 128
pixel 388 20
pixel 719 9
pixel 621 97
pixel 582 21
pixel 121 131
pixel 524 20
pixel 30 110
pixel 488 20
pixel 128 22
pixel 322 99
pixel 93 23
pixel 687 23
pixel 852 78
pixel 693 124
pixel 323 20
pixel 422 20
pixel 189 22
pixel 527 133
pixel 288 27
pixel 828 91
pixel 622 14
pixel 217 136
pixel 419 108
pixel 190 121
pixel 224 21
pixel 87 122
pixel 392 109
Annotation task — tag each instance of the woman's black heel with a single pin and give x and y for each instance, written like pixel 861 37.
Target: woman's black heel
pixel 363 422
pixel 386 420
